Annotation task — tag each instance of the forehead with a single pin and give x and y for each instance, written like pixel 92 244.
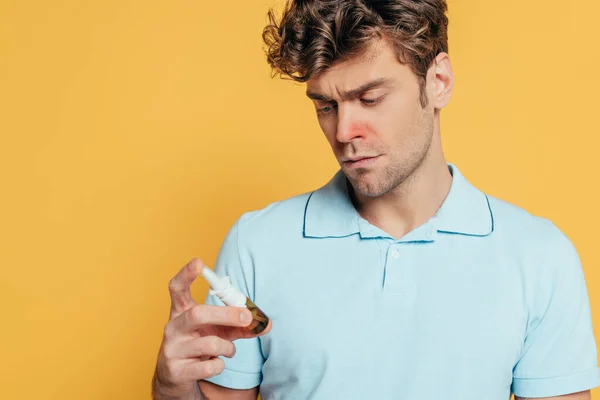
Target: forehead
pixel 378 61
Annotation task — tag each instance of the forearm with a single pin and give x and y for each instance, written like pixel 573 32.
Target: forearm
pixel 160 392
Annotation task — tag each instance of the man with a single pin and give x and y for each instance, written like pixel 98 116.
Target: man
pixel 398 279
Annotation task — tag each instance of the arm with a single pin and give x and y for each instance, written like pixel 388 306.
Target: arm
pixel 559 353
pixel 573 396
pixel 210 391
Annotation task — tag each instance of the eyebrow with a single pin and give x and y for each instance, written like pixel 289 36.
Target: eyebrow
pixel 353 93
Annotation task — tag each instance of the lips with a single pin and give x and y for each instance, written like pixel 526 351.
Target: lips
pixel 360 162
pixel 355 159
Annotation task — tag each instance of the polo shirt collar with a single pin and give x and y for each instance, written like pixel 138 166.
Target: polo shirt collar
pixel 329 212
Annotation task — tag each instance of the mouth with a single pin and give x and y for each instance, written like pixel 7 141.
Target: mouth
pixel 359 162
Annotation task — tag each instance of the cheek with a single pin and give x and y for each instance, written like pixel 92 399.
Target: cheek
pixel 394 123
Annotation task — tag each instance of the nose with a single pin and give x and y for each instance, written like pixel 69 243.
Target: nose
pixel 348 124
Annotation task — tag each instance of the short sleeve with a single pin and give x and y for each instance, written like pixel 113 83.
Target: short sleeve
pixel 559 355
pixel 243 370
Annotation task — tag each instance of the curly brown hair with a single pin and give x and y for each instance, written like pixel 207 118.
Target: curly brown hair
pixel 313 34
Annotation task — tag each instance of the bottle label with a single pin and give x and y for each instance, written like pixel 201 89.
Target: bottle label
pixel 259 319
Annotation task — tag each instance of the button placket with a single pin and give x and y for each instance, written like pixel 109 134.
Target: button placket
pixel 399 281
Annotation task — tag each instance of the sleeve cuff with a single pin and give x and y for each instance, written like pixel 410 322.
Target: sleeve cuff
pixel 236 379
pixel 557 386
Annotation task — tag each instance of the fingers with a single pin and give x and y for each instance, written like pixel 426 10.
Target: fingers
pixel 202 369
pixel 200 347
pixel 179 286
pixel 177 375
pixel 183 361
pixel 203 314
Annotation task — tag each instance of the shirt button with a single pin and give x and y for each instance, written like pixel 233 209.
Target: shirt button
pixel 395 253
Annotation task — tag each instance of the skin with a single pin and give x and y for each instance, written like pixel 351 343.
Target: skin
pixel 368 106
pixel 194 337
pixel 407 180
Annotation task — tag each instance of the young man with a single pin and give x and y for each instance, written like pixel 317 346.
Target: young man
pixel 398 279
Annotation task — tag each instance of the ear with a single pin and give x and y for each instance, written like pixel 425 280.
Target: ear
pixel 442 79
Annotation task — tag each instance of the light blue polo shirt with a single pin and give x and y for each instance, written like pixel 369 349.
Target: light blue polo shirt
pixel 482 300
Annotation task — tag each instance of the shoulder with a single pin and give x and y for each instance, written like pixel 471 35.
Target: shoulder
pixel 538 237
pixel 277 218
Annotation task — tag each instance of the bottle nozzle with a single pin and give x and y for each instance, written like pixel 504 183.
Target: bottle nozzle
pixel 223 289
pixel 216 282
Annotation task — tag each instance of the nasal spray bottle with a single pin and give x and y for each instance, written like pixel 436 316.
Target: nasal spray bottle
pixel 224 290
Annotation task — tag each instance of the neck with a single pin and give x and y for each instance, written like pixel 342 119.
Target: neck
pixel 414 201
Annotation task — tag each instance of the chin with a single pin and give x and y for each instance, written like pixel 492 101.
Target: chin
pixel 374 183
pixel 370 191
pixel 368 185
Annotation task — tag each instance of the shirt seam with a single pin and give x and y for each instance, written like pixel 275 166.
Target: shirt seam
pixel 557 376
pixel 241 372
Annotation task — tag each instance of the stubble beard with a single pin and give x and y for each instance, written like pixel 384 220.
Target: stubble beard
pixel 399 171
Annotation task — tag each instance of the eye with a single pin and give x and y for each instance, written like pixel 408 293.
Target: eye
pixel 370 102
pixel 326 109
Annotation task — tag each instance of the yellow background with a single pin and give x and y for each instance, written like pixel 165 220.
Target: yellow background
pixel 134 133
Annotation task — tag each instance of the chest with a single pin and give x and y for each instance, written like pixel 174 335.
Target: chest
pixel 414 309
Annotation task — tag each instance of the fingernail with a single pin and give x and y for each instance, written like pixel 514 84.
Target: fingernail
pixel 245 317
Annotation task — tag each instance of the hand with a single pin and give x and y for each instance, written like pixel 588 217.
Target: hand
pixel 194 338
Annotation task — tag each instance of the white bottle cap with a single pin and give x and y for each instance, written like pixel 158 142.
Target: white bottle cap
pixel 223 289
